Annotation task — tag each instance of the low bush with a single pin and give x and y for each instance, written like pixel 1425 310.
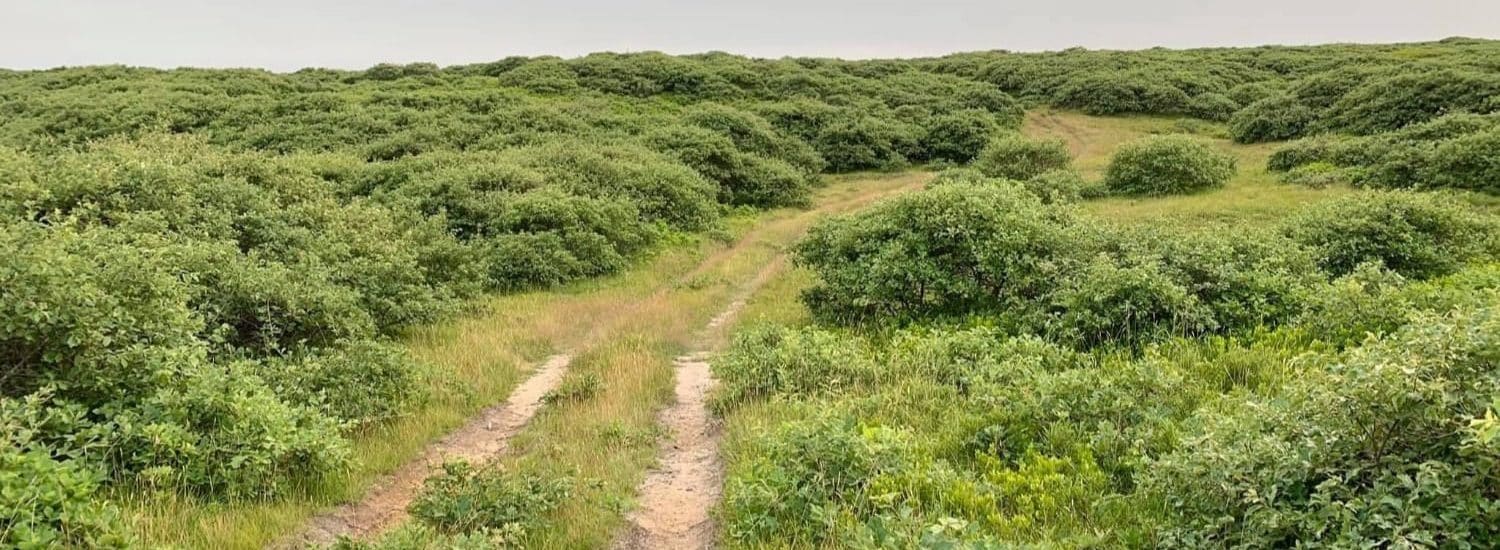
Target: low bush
pixel 1062 186
pixel 811 475
pixel 1166 165
pixel 1414 234
pixel 948 251
pixel 500 506
pixel 1212 106
pixel 865 143
pixel 1125 304
pixel 770 361
pixel 1017 157
pixel 1407 97
pixel 1271 119
pixel 47 495
pixel 358 383
pixel 1375 449
pixel 958 136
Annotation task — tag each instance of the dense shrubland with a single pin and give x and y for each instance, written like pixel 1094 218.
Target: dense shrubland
pixel 977 246
pixel 993 369
pixel 1265 93
pixel 202 272
pixel 968 436
pixel 1456 151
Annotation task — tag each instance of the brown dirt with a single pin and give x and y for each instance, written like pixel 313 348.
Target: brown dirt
pixel 677 498
pixel 481 440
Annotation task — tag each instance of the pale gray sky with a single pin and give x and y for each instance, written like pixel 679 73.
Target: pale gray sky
pixel 289 34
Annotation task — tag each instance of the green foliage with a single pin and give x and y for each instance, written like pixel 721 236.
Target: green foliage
pixel 1274 118
pixel 1166 165
pixel 947 251
pixel 499 506
pixel 576 387
pixel 1370 450
pixel 797 486
pixel 1110 93
pixel 47 495
pixel 1129 304
pixel 1212 106
pixel 359 383
pixel 1014 156
pixel 1416 235
pixel 1062 186
pixel 1454 151
pixel 959 136
pixel 768 361
pixel 865 143
pixel 1392 102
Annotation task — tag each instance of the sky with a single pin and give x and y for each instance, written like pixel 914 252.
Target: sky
pixel 285 35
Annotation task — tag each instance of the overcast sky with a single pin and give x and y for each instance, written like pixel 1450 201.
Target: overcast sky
pixel 289 34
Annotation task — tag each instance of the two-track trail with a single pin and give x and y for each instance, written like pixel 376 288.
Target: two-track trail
pixel 677 498
pixel 689 463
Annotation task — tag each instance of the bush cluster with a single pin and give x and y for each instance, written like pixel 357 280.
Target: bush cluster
pixel 973 246
pixel 1455 151
pixel 969 438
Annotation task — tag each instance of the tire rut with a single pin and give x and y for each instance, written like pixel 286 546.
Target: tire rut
pixel 678 496
pixel 482 439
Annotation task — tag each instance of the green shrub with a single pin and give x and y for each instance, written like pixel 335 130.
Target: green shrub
pixel 1408 97
pixel 1062 186
pixel 1271 119
pixel 1130 305
pixel 48 497
pixel 1416 235
pixel 219 430
pixel 1372 450
pixel 1166 165
pixel 753 134
pixel 358 383
pixel 1212 106
pixel 1247 279
pixel 959 136
pixel 949 251
pixel 1251 92
pixel 1465 162
pixel 1368 300
pixel 768 361
pixel 1111 93
pixel 865 143
pixel 499 505
pixel 824 467
pixel 1014 156
pixel 1317 175
pixel 743 178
